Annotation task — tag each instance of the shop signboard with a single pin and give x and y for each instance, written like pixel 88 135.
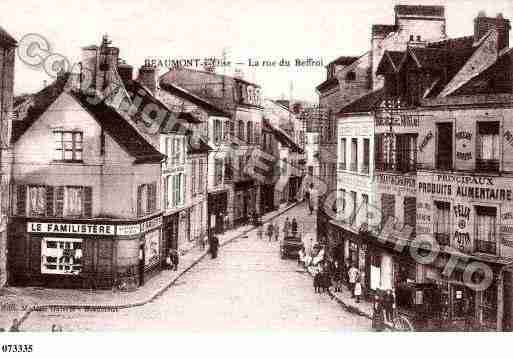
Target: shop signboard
pixel 94 229
pixel 397 184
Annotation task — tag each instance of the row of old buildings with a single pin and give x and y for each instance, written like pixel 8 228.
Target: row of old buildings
pixel 103 172
pixel 416 149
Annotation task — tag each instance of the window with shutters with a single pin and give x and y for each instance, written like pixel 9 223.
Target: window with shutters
pixel 200 175
pixel 486 229
pixel 218 172
pixel 487 147
pixel 365 208
pixel 342 163
pixel 354 154
pixel 193 178
pixel 146 199
pixel 241 130
pixel 442 223
pixel 249 132
pixel 68 146
pixel 366 156
pixel 50 201
pixel 352 215
pixel 444 150
pixel 217 131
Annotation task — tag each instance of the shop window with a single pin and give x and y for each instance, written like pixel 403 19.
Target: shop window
pixel 146 199
pixel 442 223
pixel 444 146
pixel 486 232
pixel 366 155
pixel 354 154
pixel 488 307
pixel 488 147
pixel 61 256
pixel 68 146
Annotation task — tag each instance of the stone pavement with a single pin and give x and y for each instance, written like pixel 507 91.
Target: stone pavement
pixel 19 302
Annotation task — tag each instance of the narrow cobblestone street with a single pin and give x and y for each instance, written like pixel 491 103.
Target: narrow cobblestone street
pixel 248 287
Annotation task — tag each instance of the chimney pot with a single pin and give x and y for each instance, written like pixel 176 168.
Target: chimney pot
pixel 148 78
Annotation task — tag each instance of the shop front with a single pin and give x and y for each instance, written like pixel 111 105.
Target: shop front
pixel 84 253
pixel 245 201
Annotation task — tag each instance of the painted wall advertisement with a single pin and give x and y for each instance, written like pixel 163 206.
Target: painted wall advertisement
pixel 464 193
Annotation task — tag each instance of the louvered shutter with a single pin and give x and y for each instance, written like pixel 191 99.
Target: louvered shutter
pixel 49 201
pixel 59 201
pixel 21 199
pixel 88 201
pixel 139 200
pixel 165 185
pixel 387 207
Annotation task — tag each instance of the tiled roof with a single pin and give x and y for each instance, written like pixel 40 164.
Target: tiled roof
pixel 393 58
pixel 189 118
pixel 429 58
pixel 122 132
pixel 344 60
pixel 329 83
pixel 495 79
pixel 366 103
pixel 40 103
pixel 194 98
pixel 6 39
pixel 108 118
pixel 456 43
pixel 420 10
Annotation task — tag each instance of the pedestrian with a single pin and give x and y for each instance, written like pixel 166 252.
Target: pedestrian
pixel 286 227
pixel 276 232
pixel 294 226
pixel 213 246
pixel 175 258
pixel 337 276
pixel 307 196
pixel 389 305
pixel 260 232
pixel 326 277
pixel 317 279
pixel 353 276
pixel 357 290
pixel 301 255
pixel 15 327
pixel 169 264
pixel 270 231
pixel 377 314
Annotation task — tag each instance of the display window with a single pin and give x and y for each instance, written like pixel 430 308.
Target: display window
pixel 61 255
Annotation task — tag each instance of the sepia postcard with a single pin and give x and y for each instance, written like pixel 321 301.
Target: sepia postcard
pixel 228 167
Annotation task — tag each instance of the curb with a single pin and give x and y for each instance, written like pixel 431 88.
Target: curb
pixel 348 307
pixel 159 292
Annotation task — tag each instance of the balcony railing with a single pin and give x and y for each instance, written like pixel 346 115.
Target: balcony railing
pixel 399 161
pixel 487 165
pixel 443 239
pixel 486 247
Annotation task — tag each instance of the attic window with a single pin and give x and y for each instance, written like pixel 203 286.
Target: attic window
pixel 351 76
pixel 411 38
pixel 418 37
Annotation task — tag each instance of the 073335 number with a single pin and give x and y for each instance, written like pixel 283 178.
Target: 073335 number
pixel 17 348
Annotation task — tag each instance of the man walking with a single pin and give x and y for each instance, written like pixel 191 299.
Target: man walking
pixel 213 246
pixel 270 231
pixel 276 232
pixel 286 227
pixel 353 277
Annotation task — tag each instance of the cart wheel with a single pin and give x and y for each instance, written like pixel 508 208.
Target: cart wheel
pixel 403 324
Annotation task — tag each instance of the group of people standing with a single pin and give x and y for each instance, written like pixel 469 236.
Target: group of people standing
pixel 272 231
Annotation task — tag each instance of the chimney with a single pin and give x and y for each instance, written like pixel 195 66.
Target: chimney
pixel 125 71
pixel 99 64
pixel 148 78
pixel 483 24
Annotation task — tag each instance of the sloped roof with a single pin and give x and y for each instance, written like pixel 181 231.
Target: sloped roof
pixel 495 79
pixel 122 132
pixel 282 136
pixel 197 145
pixel 6 39
pixel 108 118
pixel 192 97
pixel 344 60
pixel 456 43
pixel 40 103
pixel 366 103
pixel 393 58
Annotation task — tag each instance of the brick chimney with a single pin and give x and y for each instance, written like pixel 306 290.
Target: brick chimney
pixel 148 78
pixel 483 24
pixel 126 72
pixel 99 64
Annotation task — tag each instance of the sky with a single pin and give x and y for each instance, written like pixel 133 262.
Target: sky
pixel 259 30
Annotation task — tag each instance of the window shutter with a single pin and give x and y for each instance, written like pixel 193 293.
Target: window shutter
pixel 59 201
pixel 21 198
pixel 166 189
pixel 153 196
pixel 88 201
pixel 184 193
pixel 49 201
pixel 139 200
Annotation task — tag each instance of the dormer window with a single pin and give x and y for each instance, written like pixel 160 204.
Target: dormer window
pixel 68 146
pixel 412 37
pixel 351 76
pixel 418 38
